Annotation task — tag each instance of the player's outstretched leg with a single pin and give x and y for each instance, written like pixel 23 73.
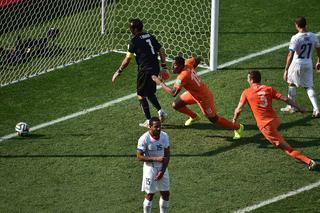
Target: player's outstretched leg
pixel 224 122
pixel 312 165
pixel 238 128
pixel 180 105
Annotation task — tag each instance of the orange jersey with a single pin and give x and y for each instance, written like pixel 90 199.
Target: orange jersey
pixel 190 80
pixel 259 98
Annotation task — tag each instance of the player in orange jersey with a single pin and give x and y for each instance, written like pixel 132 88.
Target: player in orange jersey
pixel 197 93
pixel 259 97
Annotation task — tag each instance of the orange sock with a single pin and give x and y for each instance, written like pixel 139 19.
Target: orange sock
pixel 187 111
pixel 297 155
pixel 226 123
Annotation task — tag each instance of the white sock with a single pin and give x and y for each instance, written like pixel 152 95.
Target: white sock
pixel 292 92
pixel 147 205
pixel 163 205
pixel 313 98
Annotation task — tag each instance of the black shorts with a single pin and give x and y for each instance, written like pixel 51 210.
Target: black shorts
pixel 145 85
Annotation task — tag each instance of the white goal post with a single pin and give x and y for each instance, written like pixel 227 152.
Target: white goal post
pixel 37 37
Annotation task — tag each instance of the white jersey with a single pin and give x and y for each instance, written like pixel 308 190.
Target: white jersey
pixel 152 147
pixel 302 44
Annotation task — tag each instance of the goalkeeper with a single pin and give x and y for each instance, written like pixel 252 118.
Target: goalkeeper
pixel 146 48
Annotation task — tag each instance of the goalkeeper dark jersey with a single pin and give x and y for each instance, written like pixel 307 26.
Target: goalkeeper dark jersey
pixel 146 48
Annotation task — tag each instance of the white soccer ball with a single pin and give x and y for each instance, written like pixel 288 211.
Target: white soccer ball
pixel 22 128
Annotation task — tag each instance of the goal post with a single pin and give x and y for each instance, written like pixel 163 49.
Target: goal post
pixel 214 33
pixel 37 37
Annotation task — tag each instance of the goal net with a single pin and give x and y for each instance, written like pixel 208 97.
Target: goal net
pixel 40 36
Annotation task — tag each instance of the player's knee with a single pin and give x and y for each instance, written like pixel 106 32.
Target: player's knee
pixel 149 197
pixel 165 195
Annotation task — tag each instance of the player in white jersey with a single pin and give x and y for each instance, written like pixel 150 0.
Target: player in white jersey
pixel 154 150
pixel 299 68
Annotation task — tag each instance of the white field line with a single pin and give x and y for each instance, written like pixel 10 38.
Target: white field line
pixel 55 68
pixel 110 103
pixel 73 115
pixel 278 198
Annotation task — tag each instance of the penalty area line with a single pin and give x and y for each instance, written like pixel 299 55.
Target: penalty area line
pixel 118 100
pixel 278 198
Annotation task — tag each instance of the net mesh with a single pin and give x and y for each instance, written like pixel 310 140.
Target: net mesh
pixel 40 36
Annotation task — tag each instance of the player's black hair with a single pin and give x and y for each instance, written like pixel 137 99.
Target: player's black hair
pixel 136 23
pixel 301 22
pixel 179 60
pixel 153 119
pixel 255 75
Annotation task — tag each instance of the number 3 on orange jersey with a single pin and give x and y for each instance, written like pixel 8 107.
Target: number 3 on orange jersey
pixel 263 99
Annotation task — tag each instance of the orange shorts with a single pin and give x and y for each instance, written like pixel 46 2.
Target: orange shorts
pixel 206 105
pixel 271 132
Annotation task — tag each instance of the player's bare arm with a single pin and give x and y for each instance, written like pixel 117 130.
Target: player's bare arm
pixel 141 157
pixel 288 62
pixel 124 64
pixel 164 69
pixel 318 61
pixel 173 92
pixel 292 103
pixel 164 164
pixel 237 112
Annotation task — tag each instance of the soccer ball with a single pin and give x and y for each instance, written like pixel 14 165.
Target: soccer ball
pixel 22 128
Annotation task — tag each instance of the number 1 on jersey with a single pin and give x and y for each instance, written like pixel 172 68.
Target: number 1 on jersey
pixel 151 47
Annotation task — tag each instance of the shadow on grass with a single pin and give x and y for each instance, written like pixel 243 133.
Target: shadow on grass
pixel 30 136
pixel 255 139
pixel 260 140
pixel 203 126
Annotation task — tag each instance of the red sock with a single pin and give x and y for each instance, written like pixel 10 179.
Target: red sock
pixel 226 123
pixel 187 111
pixel 297 155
